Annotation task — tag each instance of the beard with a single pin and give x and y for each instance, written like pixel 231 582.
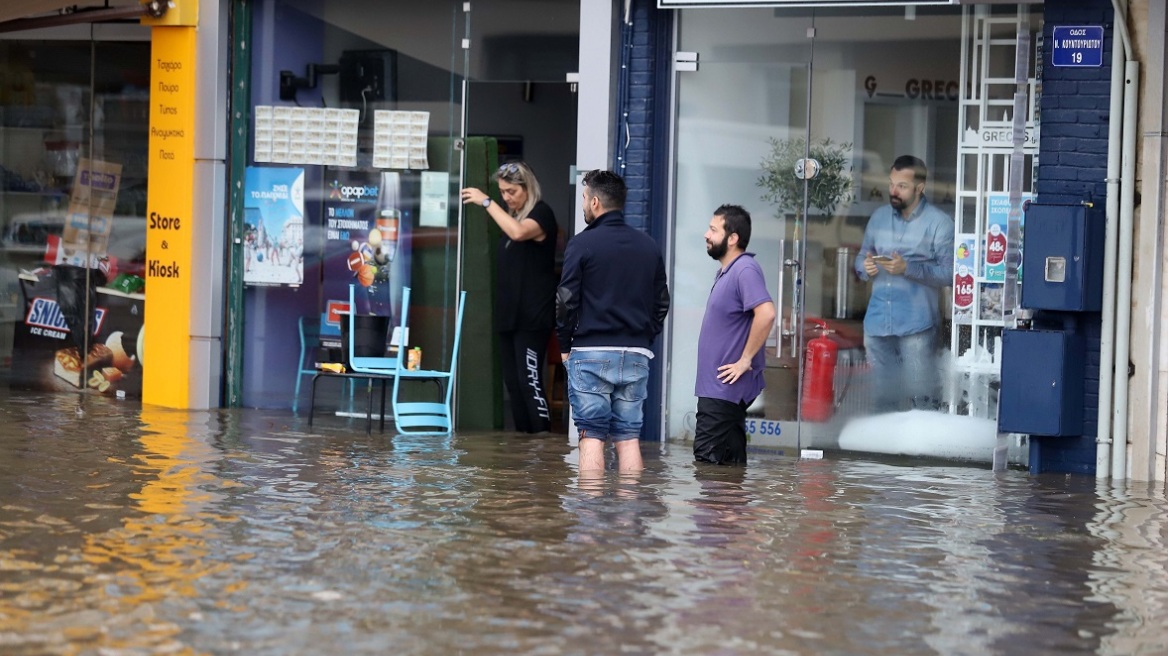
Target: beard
pixel 718 251
pixel 897 203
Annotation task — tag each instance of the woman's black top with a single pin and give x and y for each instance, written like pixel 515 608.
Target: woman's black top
pixel 527 277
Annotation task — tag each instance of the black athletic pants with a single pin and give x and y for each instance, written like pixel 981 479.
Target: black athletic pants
pixel 523 367
pixel 720 433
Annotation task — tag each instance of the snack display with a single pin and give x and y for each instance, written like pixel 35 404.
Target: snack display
pixel 67 365
pixel 45 352
pixel 120 359
pixel 67 362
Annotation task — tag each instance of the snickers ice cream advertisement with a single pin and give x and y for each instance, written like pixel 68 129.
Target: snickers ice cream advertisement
pixel 48 352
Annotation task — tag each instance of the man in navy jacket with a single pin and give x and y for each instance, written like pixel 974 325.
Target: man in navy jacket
pixel 610 306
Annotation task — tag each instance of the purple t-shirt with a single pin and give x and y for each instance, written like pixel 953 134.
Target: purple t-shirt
pixel 737 290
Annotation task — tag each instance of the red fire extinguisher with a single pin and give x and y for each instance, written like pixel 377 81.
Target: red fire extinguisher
pixel 818 401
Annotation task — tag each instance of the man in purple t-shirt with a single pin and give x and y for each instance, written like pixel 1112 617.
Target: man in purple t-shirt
pixel 739 316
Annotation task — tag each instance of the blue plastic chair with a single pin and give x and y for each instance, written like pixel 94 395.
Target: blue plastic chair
pixel 306 365
pixel 378 365
pixel 419 417
pixel 372 368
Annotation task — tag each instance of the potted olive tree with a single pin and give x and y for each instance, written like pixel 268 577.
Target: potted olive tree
pixel 826 191
pixel 783 186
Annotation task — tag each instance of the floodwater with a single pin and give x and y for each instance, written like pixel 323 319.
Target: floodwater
pixel 128 530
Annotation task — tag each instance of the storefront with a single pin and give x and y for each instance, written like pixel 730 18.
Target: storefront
pixel 74 108
pixel 295 148
pixel 957 87
pixel 363 121
pixel 333 153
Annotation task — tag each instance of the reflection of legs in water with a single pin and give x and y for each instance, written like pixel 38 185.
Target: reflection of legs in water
pixel 592 482
pixel 722 508
pixel 592 478
pixel 627 482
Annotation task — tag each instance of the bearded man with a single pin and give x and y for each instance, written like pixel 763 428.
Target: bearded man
pixel 739 315
pixel 907 255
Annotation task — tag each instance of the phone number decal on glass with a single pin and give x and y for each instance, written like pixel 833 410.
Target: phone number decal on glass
pixel 763 427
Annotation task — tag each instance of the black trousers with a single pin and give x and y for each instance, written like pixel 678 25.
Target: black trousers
pixel 720 432
pixel 523 366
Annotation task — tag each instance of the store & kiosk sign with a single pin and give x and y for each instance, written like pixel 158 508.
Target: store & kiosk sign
pixel 170 205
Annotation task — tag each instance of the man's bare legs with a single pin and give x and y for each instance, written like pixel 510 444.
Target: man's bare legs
pixel 628 453
pixel 591 454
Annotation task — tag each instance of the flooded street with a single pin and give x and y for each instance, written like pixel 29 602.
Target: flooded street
pixel 134 531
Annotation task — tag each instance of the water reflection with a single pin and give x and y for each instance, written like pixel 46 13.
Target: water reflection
pixel 117 530
pixel 239 531
pixel 1129 569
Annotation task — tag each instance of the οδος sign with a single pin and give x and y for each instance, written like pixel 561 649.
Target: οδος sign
pixel 1077 45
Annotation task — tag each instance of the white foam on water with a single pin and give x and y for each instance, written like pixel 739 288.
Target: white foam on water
pixel 922 433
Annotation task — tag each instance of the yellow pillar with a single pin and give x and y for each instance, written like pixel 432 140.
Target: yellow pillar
pixel 169 207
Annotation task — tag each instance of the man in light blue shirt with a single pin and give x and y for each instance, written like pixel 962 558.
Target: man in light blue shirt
pixel 907 254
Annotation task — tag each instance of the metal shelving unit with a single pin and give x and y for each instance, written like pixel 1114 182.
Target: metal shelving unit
pixel 983 306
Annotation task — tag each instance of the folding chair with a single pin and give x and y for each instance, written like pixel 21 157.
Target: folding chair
pixel 410 416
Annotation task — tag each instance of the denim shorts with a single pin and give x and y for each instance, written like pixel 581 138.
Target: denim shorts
pixel 607 390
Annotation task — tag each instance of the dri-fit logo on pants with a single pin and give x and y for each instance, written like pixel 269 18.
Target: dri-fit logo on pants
pixel 533 382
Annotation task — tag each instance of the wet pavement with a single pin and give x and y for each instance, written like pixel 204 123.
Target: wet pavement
pixel 126 530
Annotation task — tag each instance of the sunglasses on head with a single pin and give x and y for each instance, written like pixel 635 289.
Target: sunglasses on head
pixel 510 168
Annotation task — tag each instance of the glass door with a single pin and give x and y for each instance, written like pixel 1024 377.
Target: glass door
pixel 879 251
pixel 357 107
pixel 521 109
pixel 746 104
pixel 73 137
pixel 798 115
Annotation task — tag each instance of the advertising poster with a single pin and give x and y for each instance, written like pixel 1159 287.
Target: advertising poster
pixel 963 282
pixel 997 235
pixel 47 351
pixel 435 208
pixel 367 226
pixel 84 239
pixel 273 233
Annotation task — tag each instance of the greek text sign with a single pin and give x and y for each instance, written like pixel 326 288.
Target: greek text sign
pixel 170 206
pixel 1078 45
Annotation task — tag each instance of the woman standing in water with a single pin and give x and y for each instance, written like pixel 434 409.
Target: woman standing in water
pixel 525 301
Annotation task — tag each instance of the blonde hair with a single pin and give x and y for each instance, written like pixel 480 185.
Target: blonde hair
pixel 519 173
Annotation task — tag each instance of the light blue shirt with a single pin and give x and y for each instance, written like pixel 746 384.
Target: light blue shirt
pixel 907 304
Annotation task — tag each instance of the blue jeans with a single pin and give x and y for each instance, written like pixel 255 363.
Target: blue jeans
pixel 607 391
pixel 904 368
